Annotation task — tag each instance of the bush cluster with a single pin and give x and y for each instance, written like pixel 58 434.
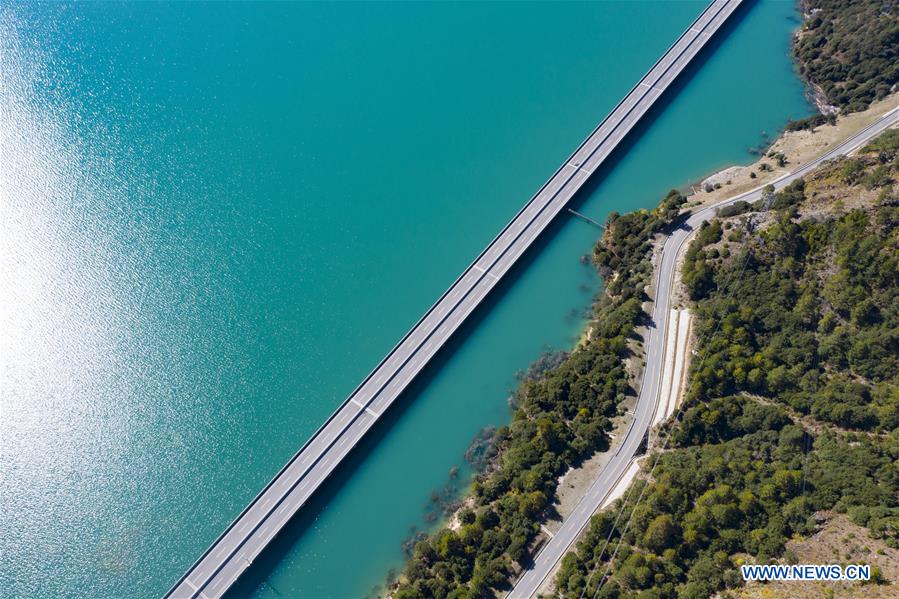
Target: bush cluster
pixel 850 50
pixel 793 402
pixel 562 417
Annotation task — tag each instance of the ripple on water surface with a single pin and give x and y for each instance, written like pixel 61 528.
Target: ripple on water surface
pixel 214 222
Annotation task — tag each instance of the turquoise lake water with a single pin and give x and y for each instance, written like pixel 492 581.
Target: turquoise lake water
pixel 217 218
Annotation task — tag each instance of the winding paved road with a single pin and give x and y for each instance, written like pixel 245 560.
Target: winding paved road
pixel 531 581
pixel 229 555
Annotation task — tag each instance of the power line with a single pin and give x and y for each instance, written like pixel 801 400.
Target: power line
pixel 767 199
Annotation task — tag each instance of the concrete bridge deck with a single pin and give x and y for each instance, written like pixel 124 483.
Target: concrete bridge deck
pixel 248 535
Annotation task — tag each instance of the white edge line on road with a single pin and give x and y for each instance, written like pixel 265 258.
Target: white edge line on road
pixel 854 142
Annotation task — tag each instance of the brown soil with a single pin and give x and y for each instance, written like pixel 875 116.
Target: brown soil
pixel 837 541
pixel 798 147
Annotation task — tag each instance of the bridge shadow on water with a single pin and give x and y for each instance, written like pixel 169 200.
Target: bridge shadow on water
pixel 257 575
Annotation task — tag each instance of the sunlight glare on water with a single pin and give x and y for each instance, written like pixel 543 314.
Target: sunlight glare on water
pixel 215 219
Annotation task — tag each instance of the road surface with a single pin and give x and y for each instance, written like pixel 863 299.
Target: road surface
pixel 229 555
pixel 530 582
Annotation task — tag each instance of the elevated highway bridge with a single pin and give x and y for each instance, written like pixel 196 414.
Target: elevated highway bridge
pixel 254 528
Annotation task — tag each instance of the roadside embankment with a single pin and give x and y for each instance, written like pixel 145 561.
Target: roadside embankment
pixel 796 147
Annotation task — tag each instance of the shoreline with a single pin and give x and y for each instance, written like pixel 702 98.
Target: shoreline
pixel 797 147
pixel 802 146
pixel 678 298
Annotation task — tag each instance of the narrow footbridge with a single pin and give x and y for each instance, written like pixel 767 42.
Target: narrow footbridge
pixel 248 535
